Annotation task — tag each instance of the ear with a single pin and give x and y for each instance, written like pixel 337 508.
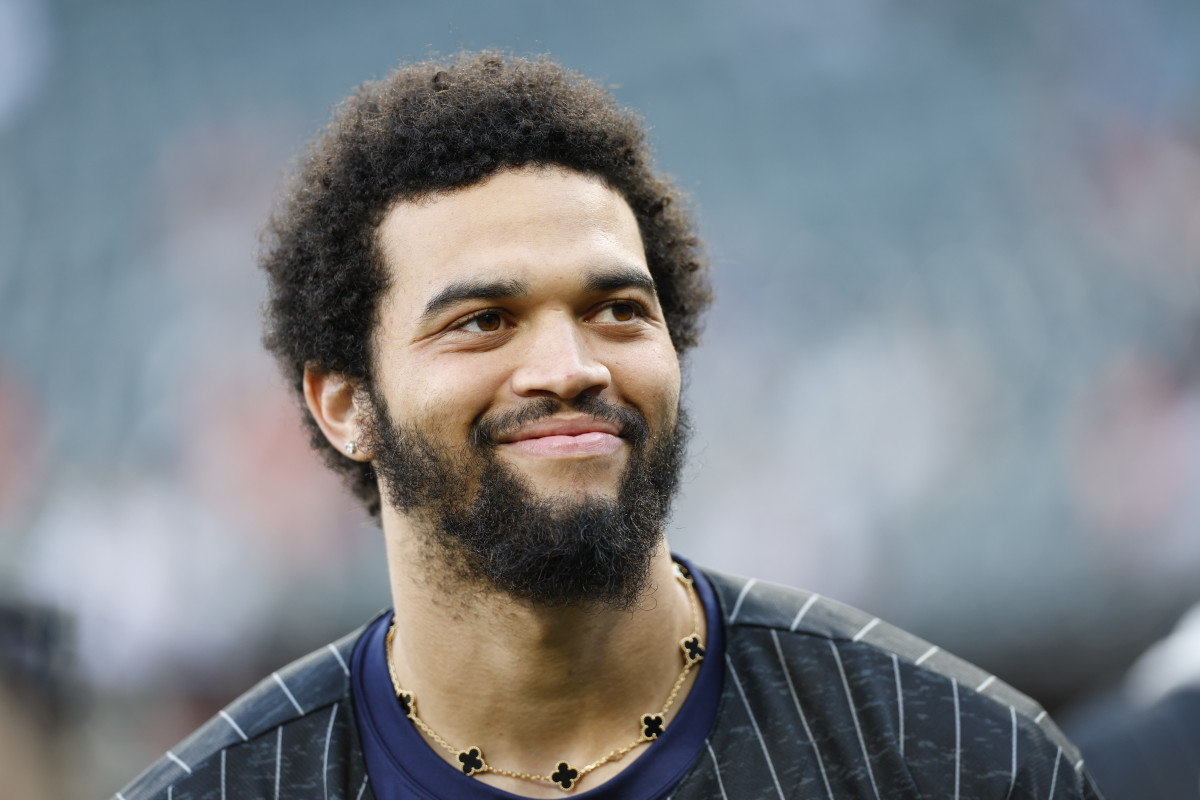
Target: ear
pixel 334 403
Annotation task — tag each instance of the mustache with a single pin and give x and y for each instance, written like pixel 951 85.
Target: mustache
pixel 485 432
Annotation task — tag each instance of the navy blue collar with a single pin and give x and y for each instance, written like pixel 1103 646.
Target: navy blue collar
pixel 401 765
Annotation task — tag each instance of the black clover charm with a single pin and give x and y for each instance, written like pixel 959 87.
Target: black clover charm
pixel 693 650
pixel 652 726
pixel 472 761
pixel 408 703
pixel 565 776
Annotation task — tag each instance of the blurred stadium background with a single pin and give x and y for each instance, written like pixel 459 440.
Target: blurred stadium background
pixel 952 377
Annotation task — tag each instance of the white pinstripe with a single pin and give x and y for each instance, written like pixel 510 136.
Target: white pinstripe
pixel 325 761
pixel 171 792
pixel 362 788
pixel 761 743
pixel 865 630
pixel 990 680
pixel 1012 784
pixel 737 606
pixel 717 771
pixel 854 715
pixel 278 757
pixel 1038 719
pixel 179 761
pixel 812 598
pixel 957 739
pixel 233 724
pixel 800 712
pixel 339 658
pixel 286 691
pixel 222 775
pixel 899 700
pixel 120 796
pixel 927 655
pixel 1054 780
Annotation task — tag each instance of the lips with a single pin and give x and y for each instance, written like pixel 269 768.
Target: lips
pixel 583 436
pixel 560 427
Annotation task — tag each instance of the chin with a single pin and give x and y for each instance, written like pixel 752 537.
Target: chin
pixel 563 482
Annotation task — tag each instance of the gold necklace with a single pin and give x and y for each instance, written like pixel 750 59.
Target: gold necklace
pixel 650 726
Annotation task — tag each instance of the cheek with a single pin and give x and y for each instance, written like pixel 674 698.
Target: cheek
pixel 653 381
pixel 449 397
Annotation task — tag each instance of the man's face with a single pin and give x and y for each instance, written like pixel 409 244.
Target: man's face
pixel 526 390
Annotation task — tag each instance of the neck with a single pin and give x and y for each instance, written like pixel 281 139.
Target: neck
pixel 532 685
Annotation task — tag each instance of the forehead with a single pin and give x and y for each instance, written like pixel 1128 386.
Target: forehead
pixel 534 225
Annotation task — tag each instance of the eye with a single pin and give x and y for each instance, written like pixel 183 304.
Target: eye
pixel 483 322
pixel 619 311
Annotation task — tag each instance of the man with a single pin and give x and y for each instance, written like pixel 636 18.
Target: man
pixel 482 290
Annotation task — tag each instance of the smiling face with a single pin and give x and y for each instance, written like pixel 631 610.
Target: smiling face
pixel 531 286
pixel 526 390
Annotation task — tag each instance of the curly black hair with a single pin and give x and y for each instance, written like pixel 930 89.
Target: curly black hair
pixel 434 127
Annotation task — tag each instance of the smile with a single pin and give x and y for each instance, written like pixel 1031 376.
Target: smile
pixel 557 438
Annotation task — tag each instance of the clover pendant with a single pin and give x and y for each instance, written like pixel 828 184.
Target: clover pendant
pixel 408 703
pixel 565 776
pixel 693 650
pixel 652 726
pixel 472 761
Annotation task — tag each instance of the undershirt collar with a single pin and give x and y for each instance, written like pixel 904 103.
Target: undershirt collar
pixel 402 766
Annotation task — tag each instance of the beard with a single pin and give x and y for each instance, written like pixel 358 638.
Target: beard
pixel 589 551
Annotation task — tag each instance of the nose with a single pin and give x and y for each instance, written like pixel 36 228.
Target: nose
pixel 559 361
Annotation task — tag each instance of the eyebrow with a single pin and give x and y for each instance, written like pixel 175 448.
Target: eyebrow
pixel 473 290
pixel 615 278
pixel 607 280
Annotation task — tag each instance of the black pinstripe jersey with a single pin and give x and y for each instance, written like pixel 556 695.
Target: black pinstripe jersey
pixel 819 700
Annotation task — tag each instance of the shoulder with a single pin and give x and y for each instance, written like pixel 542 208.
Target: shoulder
pixel 804 668
pixel 290 722
pixel 749 604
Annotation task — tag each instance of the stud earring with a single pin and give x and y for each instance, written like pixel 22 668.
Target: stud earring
pixel 351 448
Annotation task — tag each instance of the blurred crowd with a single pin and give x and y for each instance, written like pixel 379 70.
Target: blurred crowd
pixel 953 375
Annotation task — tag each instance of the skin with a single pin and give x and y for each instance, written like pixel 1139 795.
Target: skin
pixel 532 284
